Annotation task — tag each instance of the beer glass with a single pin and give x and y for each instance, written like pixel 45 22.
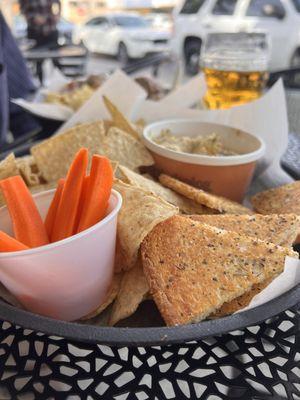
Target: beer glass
pixel 235 67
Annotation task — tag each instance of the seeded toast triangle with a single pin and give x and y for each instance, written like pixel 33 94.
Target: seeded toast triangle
pixel 280 200
pixel 281 229
pixel 193 268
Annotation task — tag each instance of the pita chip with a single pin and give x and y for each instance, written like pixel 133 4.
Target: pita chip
pixel 141 211
pixel 107 125
pixel 193 269
pixel 185 205
pixel 220 204
pixel 8 167
pixel 281 200
pixel 123 148
pixel 119 120
pixel 28 170
pixel 54 156
pixel 134 290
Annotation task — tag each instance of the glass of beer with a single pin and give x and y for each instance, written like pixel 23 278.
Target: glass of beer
pixel 235 67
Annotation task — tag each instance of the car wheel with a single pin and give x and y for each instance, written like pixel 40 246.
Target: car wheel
pixel 122 55
pixel 192 57
pixel 295 62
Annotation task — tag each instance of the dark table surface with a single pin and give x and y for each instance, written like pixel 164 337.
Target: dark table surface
pixel 40 54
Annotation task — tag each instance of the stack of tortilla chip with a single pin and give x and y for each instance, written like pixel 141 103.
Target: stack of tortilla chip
pixel 185 205
pixel 25 166
pixel 265 231
pixel 54 156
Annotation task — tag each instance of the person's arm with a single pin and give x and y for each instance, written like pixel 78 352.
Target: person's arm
pixel 4 102
pixel 15 82
pixel 4 106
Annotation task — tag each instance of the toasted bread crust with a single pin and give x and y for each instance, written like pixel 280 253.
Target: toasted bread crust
pixel 240 302
pixel 278 229
pixel 206 199
pixel 281 200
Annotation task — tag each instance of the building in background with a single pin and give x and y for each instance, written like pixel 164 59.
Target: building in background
pixel 79 10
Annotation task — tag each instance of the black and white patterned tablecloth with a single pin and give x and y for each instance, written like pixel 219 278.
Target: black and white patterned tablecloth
pixel 260 362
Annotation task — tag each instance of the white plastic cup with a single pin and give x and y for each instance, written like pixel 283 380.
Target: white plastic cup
pixel 67 279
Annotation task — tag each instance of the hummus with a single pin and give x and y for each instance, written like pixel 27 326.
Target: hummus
pixel 210 145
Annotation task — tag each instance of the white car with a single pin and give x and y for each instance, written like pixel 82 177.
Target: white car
pixel 125 35
pixel 280 19
pixel 160 20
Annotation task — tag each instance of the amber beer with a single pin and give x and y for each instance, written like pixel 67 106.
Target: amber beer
pixel 235 68
pixel 232 88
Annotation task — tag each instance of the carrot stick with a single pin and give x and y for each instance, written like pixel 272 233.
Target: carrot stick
pixel 81 201
pixel 27 223
pixel 98 192
pixel 65 219
pixel 8 243
pixel 50 218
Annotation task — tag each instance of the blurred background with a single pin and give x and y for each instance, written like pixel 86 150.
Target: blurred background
pixel 241 46
pixel 118 32
pixel 164 40
pixel 113 32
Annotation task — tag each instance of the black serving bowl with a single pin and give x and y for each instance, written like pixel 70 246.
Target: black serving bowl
pixel 147 336
pixel 147 313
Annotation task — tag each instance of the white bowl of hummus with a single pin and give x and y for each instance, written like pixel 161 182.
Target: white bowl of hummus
pixel 216 158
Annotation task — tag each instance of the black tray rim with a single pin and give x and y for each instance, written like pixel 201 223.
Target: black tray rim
pixel 153 336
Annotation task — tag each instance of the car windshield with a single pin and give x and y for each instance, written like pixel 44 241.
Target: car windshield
pixel 131 21
pixel 296 4
pixel 191 6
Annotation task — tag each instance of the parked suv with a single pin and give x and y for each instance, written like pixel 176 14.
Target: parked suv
pixel 194 19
